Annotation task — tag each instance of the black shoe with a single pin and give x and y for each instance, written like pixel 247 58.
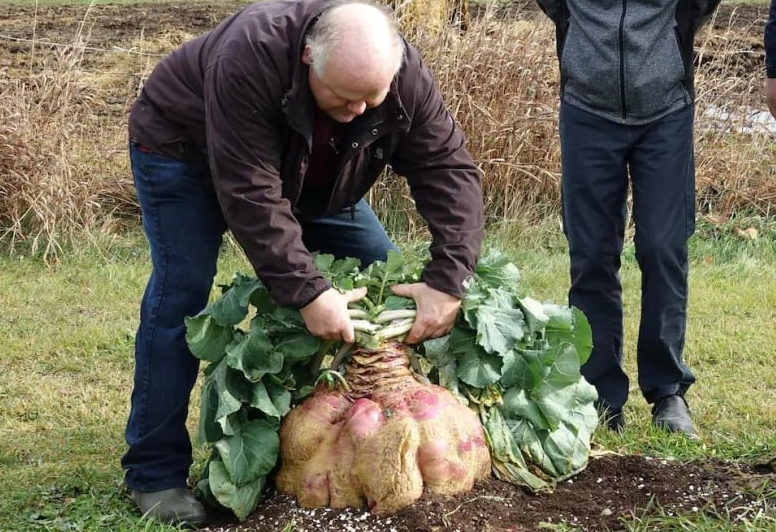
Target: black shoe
pixel 176 506
pixel 671 413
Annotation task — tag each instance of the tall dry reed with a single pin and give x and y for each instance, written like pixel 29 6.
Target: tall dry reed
pixel 63 170
pixel 47 198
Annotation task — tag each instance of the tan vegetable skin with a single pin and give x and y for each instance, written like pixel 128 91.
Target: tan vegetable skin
pixel 381 443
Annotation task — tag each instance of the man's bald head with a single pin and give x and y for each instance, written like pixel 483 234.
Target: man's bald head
pixel 358 37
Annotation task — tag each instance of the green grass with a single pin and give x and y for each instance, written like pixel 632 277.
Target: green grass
pixel 66 367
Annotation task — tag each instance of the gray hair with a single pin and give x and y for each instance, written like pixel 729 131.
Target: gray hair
pixel 326 34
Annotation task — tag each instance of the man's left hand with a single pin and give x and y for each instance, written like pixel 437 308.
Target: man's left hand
pixel 436 311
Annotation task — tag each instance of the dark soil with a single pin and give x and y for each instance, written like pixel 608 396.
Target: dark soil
pixel 612 488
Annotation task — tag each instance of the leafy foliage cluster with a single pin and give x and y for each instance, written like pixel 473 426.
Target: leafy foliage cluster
pixel 513 360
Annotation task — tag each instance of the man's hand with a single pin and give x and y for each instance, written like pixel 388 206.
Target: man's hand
pixel 436 311
pixel 327 315
pixel 770 95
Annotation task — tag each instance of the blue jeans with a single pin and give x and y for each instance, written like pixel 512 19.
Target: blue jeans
pixel 184 226
pixel 599 158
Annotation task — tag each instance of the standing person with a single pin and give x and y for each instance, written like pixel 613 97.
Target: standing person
pixel 274 125
pixel 626 114
pixel 770 59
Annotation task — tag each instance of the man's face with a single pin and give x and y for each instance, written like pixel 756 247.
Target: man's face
pixel 344 95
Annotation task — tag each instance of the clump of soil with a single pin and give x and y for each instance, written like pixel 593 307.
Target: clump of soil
pixel 611 489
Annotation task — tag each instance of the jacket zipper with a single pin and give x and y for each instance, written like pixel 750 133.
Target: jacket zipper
pixel 622 59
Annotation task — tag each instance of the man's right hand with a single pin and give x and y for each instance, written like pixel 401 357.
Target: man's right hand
pixel 327 315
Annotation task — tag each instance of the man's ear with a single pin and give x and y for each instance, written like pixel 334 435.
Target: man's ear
pixel 307 55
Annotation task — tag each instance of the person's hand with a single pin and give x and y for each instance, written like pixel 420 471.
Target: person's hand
pixel 770 95
pixel 327 317
pixel 436 311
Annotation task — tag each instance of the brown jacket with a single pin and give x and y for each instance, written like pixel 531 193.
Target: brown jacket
pixel 236 102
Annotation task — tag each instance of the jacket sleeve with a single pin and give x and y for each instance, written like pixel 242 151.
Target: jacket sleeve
pixel 244 143
pixel 443 180
pixel 770 42
pixel 702 11
pixel 551 8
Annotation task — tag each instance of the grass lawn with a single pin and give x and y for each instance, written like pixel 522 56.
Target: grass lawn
pixel 66 366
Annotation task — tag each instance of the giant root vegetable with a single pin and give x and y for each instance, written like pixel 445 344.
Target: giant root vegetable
pixel 379 438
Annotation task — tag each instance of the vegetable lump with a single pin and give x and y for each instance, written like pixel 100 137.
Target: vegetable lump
pixel 379 438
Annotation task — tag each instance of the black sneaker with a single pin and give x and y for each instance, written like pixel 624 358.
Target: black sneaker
pixel 176 506
pixel 672 414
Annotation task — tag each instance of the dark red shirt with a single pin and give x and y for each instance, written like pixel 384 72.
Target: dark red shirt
pixel 322 164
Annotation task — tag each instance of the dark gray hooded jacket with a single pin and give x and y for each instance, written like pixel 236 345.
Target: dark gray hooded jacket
pixel 629 61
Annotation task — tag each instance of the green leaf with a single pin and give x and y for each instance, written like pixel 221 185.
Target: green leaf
pixel 476 367
pixel 298 346
pixel 232 307
pixel 535 317
pixel 394 302
pixel 499 329
pixel 271 399
pixel 438 351
pixel 568 451
pixel 228 401
pixel 563 364
pixel 532 446
pixel 254 354
pixel 209 430
pixel 282 321
pixel 206 338
pixel 495 269
pixel 516 373
pixel 569 325
pixel 518 405
pixel 506 459
pixel 251 452
pixel 242 500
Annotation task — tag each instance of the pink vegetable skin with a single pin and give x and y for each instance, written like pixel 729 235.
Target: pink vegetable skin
pixel 381 443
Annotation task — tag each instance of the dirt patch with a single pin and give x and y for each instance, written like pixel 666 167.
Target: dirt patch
pixel 611 489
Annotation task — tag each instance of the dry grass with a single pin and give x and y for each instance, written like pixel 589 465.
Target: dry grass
pixel 733 152
pixel 63 169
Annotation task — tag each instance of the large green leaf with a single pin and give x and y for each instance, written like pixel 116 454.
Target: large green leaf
pixel 506 458
pixel 495 269
pixel 516 372
pixel 567 449
pixel 499 329
pixel 251 452
pixel 531 444
pixel 298 346
pixel 228 402
pixel 271 399
pixel 241 499
pixel 209 430
pixel 476 367
pixel 232 307
pixel 569 325
pixel 207 338
pixel 563 365
pixel 518 405
pixel 535 317
pixel 254 354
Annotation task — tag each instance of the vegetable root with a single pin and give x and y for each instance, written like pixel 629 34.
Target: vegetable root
pixel 381 442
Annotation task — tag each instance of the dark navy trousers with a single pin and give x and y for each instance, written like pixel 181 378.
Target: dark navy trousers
pixel 184 225
pixel 600 159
